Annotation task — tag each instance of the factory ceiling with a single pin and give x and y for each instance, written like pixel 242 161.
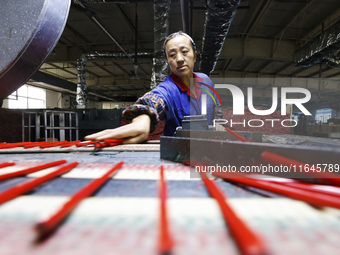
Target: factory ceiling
pixel 266 39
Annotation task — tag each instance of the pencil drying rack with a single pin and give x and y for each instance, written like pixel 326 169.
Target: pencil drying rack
pixel 49 125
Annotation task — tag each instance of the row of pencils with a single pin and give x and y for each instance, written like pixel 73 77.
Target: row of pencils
pixel 246 238
pixel 62 144
pixel 248 241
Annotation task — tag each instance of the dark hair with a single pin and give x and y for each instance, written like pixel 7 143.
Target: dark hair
pixel 177 34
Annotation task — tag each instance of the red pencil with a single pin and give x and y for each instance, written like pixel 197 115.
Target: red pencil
pixel 13 145
pixel 300 167
pixel 5 164
pixel 31 169
pixel 70 144
pixel 317 188
pixel 109 143
pixel 248 242
pixel 35 144
pixel 295 193
pixel 53 144
pixel 165 240
pixel 22 188
pixel 236 135
pixel 85 143
pixel 114 140
pixel 46 227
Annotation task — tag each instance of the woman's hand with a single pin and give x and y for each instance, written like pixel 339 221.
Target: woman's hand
pixel 137 131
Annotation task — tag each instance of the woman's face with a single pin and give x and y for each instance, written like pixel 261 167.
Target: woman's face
pixel 180 56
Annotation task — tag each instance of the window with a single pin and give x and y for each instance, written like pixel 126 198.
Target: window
pixel 27 97
pixel 109 105
pixel 322 115
pixel 115 105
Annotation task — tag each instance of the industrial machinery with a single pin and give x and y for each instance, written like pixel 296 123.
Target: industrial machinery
pixel 29 33
pixel 199 192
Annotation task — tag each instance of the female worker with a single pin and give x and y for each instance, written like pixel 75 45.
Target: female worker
pixel 172 99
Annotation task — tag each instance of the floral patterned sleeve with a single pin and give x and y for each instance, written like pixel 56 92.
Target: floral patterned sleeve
pixel 150 104
pixel 218 112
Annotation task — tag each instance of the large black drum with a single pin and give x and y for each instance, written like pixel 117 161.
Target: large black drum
pixel 29 31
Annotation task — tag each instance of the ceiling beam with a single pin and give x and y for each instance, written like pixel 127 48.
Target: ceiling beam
pixel 227 64
pixel 327 22
pixel 109 80
pixel 103 68
pixel 291 21
pixel 325 69
pixel 302 69
pixel 120 68
pixel 76 33
pixel 52 79
pixel 260 9
pixel 60 68
pixel 126 18
pixel 283 68
pixel 258 48
pixel 248 65
pixel 92 73
pixel 333 75
pixel 264 66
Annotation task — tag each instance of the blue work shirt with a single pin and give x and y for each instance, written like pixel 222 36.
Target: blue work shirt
pixel 180 102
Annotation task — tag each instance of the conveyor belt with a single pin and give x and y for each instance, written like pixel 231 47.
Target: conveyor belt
pixel 122 217
pixel 130 188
